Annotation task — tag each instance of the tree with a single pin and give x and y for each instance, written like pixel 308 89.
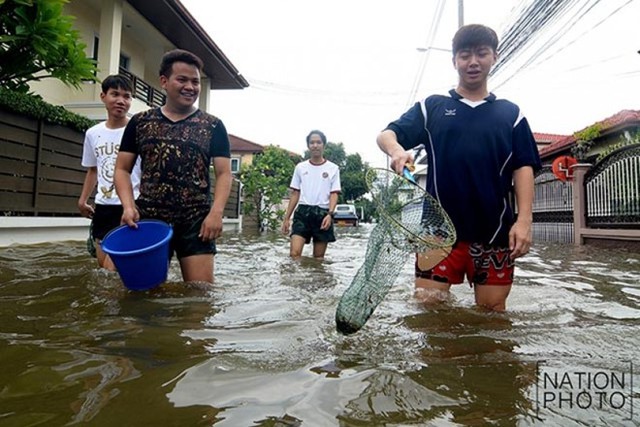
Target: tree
pixel 584 141
pixel 352 178
pixel 333 152
pixel 266 183
pixel 367 208
pixel 37 42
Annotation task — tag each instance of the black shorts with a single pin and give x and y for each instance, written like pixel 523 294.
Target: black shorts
pixel 105 219
pixel 307 221
pixel 185 241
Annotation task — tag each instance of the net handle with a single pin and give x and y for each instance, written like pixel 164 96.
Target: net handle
pixel 399 223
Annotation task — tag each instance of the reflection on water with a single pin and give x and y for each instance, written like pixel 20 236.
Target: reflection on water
pixel 260 348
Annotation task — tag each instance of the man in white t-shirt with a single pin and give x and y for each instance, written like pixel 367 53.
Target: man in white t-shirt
pixel 101 144
pixel 315 187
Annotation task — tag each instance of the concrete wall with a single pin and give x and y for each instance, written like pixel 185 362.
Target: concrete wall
pixel 34 230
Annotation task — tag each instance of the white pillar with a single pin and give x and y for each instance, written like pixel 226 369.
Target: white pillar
pixel 110 39
pixel 204 101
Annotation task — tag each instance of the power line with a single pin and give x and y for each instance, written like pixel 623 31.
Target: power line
pixel 531 18
pixel 556 36
pixel 538 15
pixel 579 36
pixel 515 48
pixel 437 18
pixel 267 85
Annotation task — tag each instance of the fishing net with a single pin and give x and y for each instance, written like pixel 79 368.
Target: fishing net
pixel 410 221
pixel 91 247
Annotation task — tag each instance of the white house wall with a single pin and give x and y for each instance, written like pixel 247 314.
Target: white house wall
pixel 138 40
pixel 53 90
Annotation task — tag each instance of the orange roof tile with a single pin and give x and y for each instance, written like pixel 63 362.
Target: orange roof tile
pixel 618 120
pixel 243 145
pixel 547 138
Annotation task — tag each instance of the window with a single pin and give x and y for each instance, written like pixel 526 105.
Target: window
pixel 96 43
pixel 235 165
pixel 94 55
pixel 124 61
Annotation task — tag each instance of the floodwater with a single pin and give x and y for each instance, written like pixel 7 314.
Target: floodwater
pixel 260 348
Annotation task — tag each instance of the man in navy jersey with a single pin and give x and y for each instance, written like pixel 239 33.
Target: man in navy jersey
pixel 478 147
pixel 178 143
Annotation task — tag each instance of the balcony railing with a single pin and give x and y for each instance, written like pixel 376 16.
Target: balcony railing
pixel 144 91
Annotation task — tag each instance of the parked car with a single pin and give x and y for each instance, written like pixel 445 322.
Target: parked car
pixel 346 215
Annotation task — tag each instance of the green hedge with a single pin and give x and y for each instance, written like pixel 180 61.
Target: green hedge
pixel 34 107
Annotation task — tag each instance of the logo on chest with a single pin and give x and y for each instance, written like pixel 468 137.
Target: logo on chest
pixel 448 112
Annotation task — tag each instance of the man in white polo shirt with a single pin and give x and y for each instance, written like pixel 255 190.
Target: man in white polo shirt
pixel 315 187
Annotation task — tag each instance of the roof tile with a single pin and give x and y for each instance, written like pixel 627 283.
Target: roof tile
pixel 622 118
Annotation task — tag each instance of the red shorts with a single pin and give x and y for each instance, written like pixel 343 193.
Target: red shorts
pixel 482 264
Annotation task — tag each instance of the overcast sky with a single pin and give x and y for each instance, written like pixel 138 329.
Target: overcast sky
pixel 347 67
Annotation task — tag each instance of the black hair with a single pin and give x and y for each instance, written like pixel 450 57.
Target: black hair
pixel 474 35
pixel 320 134
pixel 178 55
pixel 116 81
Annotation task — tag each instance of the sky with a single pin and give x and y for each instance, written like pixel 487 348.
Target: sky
pixel 349 67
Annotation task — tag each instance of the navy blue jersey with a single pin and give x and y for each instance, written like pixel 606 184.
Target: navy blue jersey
pixel 472 150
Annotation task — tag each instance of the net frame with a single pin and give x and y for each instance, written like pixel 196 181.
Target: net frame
pixel 400 231
pixel 438 219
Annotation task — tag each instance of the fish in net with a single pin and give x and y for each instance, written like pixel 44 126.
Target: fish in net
pixel 410 221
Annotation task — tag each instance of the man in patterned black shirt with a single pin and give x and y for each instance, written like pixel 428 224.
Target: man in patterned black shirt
pixel 177 143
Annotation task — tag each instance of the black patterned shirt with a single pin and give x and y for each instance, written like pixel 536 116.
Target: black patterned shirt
pixel 176 156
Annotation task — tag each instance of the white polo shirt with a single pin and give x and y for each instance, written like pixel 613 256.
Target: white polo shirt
pixel 316 182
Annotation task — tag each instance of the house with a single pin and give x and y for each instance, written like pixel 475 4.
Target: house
pixel 130 37
pixel 242 152
pixel 127 37
pixel 543 140
pixel 600 203
pixel 622 124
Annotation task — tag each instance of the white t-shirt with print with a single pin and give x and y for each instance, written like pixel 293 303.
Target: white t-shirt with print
pixel 101 146
pixel 316 182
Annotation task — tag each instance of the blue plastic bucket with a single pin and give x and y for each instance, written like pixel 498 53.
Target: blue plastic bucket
pixel 141 254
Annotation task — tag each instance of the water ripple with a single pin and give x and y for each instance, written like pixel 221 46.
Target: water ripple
pixel 260 346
